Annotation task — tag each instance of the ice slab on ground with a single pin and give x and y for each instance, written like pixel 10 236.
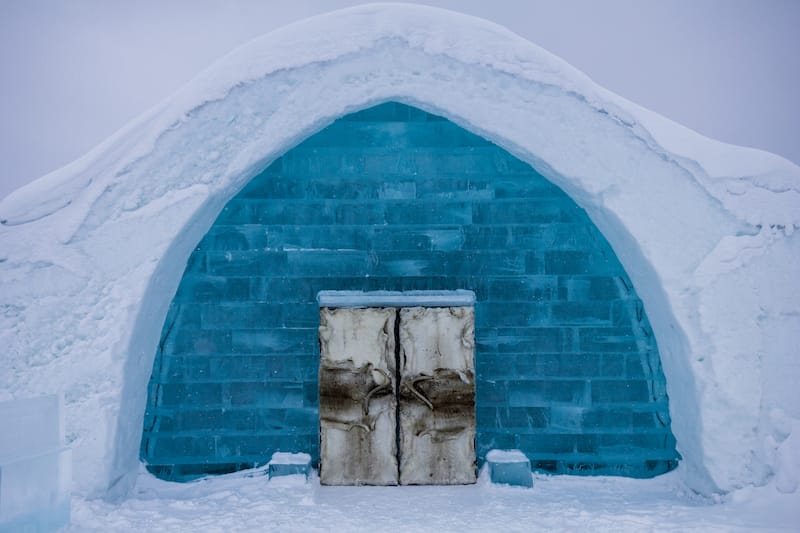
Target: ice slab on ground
pixel 509 467
pixel 288 464
pixel 35 468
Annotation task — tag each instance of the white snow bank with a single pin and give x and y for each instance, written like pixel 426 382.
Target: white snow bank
pixel 91 255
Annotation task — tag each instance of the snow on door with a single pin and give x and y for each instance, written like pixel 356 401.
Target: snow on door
pixel 437 396
pixel 357 402
pixel 360 399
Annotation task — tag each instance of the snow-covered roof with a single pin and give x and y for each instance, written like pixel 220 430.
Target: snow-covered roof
pixel 90 255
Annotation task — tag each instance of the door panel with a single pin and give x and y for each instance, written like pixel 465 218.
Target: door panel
pixel 357 397
pixel 437 396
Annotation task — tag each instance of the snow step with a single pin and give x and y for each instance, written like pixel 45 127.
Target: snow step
pixel 289 464
pixel 509 467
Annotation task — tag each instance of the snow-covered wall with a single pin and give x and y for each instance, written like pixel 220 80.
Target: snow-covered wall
pixel 91 255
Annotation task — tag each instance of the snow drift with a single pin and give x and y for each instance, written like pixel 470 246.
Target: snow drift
pixel 91 255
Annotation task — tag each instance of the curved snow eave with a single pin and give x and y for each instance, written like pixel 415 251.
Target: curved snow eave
pixel 758 187
pixel 726 171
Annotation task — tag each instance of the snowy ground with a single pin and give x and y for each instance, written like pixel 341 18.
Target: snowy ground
pixel 556 503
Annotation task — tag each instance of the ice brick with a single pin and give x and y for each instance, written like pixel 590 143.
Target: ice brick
pixel 30 426
pixel 509 467
pixel 288 464
pixel 35 469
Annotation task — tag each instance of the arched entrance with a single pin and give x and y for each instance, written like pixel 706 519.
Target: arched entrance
pixel 394 198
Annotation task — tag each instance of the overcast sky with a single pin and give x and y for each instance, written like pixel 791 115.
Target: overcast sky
pixel 75 71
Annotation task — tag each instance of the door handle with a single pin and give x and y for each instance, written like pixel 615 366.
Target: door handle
pixel 387 385
pixel 413 388
pixel 346 425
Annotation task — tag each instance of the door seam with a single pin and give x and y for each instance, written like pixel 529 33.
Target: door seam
pixel 397 376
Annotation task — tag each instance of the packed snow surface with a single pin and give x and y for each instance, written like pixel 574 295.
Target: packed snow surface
pixel 91 255
pixel 555 503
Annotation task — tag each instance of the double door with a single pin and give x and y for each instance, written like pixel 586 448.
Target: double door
pixel 397 396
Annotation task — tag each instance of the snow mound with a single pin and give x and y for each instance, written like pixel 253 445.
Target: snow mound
pixel 91 255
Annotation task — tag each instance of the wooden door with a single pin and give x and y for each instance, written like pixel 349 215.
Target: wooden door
pixel 437 396
pixel 358 405
pixel 360 401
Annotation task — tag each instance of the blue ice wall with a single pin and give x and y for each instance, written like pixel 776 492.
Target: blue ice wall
pixel 393 198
